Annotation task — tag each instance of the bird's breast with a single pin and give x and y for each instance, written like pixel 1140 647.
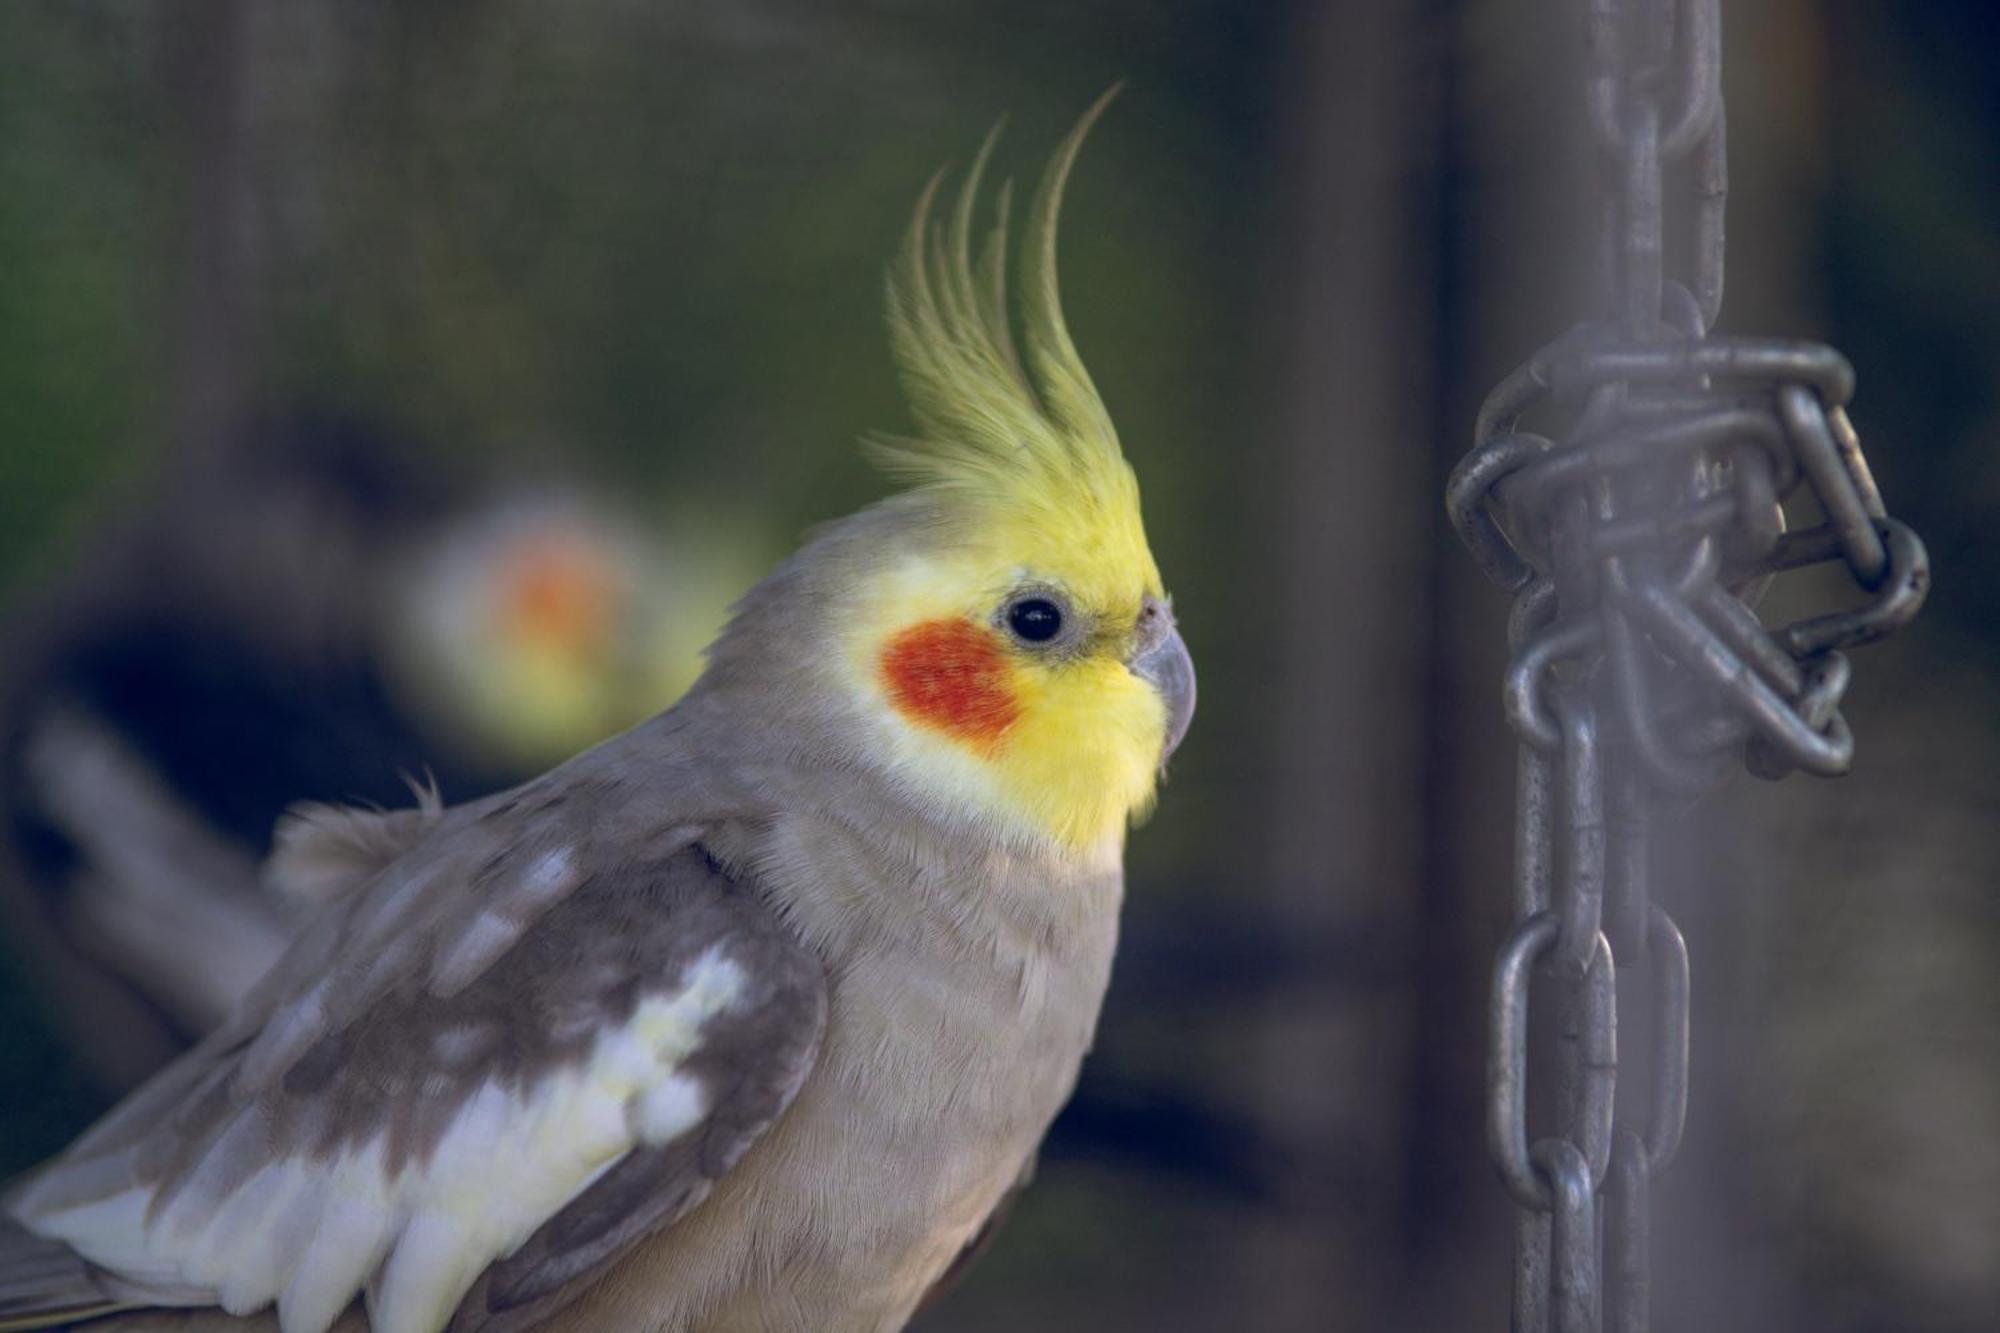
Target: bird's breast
pixel 947 1053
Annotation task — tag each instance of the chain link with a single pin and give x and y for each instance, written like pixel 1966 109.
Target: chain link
pixel 1637 528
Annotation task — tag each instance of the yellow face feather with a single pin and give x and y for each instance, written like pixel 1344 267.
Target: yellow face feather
pixel 1067 744
pixel 1019 470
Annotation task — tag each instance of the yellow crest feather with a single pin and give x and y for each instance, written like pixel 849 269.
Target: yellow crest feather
pixel 1029 433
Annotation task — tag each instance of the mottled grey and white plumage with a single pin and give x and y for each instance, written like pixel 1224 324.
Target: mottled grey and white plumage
pixel 748 1019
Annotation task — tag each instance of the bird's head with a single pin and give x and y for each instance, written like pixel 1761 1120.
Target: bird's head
pixel 998 632
pixel 1017 648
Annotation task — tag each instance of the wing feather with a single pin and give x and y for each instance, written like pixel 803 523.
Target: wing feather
pixel 493 1066
pixel 756 1057
pixel 320 852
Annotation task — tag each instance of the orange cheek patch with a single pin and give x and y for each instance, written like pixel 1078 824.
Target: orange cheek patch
pixel 949 674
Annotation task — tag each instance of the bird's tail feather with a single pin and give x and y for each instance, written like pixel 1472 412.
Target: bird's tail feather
pixel 44 1284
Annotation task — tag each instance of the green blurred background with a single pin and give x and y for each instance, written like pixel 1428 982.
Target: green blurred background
pixel 637 249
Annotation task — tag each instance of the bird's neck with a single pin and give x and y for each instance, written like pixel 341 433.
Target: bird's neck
pixel 889 881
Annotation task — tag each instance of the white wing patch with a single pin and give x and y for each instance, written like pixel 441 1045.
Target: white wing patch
pixel 309 1234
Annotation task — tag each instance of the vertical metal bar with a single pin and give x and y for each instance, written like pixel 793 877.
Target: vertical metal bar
pixel 1534 824
pixel 1698 53
pixel 1628 1289
pixel 1644 242
pixel 1670 1039
pixel 1628 851
pixel 1507 1059
pixel 1582 820
pixel 1589 1089
pixel 1573 1280
pixel 1531 1271
pixel 1711 187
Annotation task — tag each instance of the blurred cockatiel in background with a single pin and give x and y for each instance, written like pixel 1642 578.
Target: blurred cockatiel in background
pixel 750 1018
pixel 552 621
pixel 307 612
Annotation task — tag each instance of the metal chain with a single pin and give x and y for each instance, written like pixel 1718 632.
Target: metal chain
pixel 1637 532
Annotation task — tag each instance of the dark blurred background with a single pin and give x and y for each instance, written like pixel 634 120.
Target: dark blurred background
pixel 391 386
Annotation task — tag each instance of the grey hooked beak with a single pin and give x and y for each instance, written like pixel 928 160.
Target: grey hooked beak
pixel 1163 662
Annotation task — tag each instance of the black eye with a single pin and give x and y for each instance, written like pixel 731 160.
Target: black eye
pixel 1037 619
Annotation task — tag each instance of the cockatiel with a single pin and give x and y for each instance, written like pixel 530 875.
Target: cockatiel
pixel 748 1019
